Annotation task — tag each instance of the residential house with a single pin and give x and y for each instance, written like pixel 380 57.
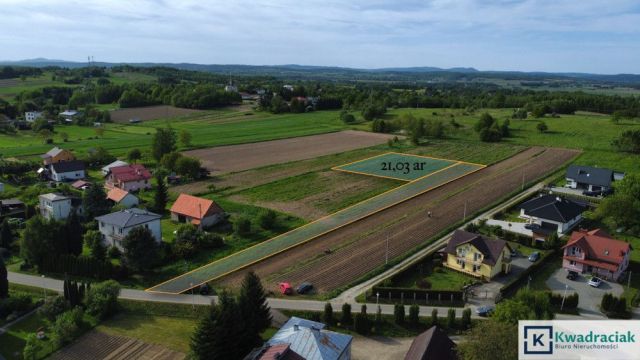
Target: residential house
pixel 129 177
pixel 304 339
pixel 67 171
pixel 122 197
pixel 432 344
pixel 115 226
pixel 591 178
pixel 81 185
pixel 69 115
pixel 58 207
pixel 477 255
pixel 596 252
pixel 197 211
pixel 12 208
pixel 57 155
pixel 32 116
pixel 105 169
pixel 551 213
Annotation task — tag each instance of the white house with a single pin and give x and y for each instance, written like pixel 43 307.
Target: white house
pixel 107 168
pixel 32 116
pixel 115 226
pixel 122 197
pixel 67 171
pixel 58 207
pixel 69 114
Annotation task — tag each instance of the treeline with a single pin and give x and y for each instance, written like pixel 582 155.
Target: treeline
pixel 10 72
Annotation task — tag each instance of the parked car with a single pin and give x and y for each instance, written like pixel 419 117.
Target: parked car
pixel 591 193
pixel 304 288
pixel 485 310
pixel 515 253
pixel 535 256
pixel 531 226
pixel 572 275
pixel 595 282
pixel 285 288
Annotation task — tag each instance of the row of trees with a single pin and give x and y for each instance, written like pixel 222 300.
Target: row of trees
pixel 233 326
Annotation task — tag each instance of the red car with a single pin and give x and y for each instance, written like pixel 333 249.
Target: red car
pixel 285 288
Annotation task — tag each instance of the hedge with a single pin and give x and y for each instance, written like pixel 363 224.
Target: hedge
pixel 418 296
pixel 512 286
pixel 570 301
pixel 83 266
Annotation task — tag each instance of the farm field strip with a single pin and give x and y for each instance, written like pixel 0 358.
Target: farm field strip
pixel 315 229
pixel 397 166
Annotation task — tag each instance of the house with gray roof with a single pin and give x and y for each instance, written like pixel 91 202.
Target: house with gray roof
pixel 305 339
pixel 591 178
pixel 115 226
pixel 549 213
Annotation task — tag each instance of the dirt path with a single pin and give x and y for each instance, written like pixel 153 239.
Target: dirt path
pixel 360 247
pixel 379 347
pixel 232 158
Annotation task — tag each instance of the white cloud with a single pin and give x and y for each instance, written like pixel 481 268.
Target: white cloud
pixel 489 34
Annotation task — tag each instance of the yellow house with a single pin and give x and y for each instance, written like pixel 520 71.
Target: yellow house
pixel 478 256
pixel 57 155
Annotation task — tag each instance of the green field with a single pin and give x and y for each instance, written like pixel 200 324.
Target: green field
pixel 397 166
pixel 312 230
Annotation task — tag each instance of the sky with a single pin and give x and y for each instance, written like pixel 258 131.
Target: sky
pixel 597 36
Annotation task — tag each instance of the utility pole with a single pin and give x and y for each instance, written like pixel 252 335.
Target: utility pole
pixel 564 295
pixel 464 214
pixel 522 179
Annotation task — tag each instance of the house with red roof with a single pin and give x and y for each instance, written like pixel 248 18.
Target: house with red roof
pixel 596 252
pixel 122 197
pixel 128 177
pixel 197 211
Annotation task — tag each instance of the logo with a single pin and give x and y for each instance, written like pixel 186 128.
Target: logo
pixel 538 340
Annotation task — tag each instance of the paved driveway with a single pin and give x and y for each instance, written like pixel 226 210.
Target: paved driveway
pixel 516 227
pixel 589 297
pixel 485 294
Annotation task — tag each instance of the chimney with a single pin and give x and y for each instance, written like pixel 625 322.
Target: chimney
pixel 558 198
pixel 296 327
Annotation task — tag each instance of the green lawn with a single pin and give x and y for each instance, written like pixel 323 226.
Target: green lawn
pixel 440 278
pixel 13 341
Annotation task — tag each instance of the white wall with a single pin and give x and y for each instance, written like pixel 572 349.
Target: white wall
pixel 112 235
pixel 57 210
pixel 73 175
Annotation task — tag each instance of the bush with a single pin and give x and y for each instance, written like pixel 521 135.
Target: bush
pixel 67 326
pixel 242 226
pixel 327 316
pixel 434 317
pixel 267 219
pixel 346 318
pixel 398 314
pixel 465 322
pixel 102 299
pixel 53 307
pixel 16 303
pixel 423 284
pixel 414 315
pixel 451 319
pixel 362 325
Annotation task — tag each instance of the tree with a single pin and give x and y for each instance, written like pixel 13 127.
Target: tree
pixel 185 138
pixel 219 335
pixel 102 299
pixel 346 117
pixel 45 135
pixel 361 324
pixel 327 316
pixel 95 202
pixel 188 167
pixel 465 322
pixel 66 326
pixel 163 142
pixel 434 317
pixel 553 241
pixel 628 141
pixel 542 127
pixel 140 249
pixel 346 318
pixel 37 241
pixel 525 305
pixel 622 208
pixel 169 160
pixel 379 315
pixel 161 196
pixel 267 219
pixel 99 131
pixel 451 319
pixel 256 314
pixel 93 240
pixel 74 232
pixel 414 315
pixel 490 340
pixel 134 155
pixel 398 314
pixel 53 306
pixel 6 234
pixel 4 282
pixel 489 129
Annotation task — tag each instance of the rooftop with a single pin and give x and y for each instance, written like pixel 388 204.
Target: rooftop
pixel 590 175
pixel 551 207
pixel 128 218
pixel 68 166
pixel 307 339
pixel 117 194
pixel 133 172
pixel 490 248
pixel 54 197
pixel 195 207
pixel 599 246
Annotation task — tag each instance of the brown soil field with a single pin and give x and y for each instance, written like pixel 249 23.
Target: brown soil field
pixel 233 158
pixel 359 248
pixel 149 113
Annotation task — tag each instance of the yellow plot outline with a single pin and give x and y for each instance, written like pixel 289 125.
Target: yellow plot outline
pixel 455 163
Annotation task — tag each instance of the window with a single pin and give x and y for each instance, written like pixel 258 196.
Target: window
pixel 572 263
pixel 119 230
pixel 461 263
pixel 477 256
pixel 476 268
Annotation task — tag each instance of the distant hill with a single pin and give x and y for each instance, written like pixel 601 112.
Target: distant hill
pixel 293 71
